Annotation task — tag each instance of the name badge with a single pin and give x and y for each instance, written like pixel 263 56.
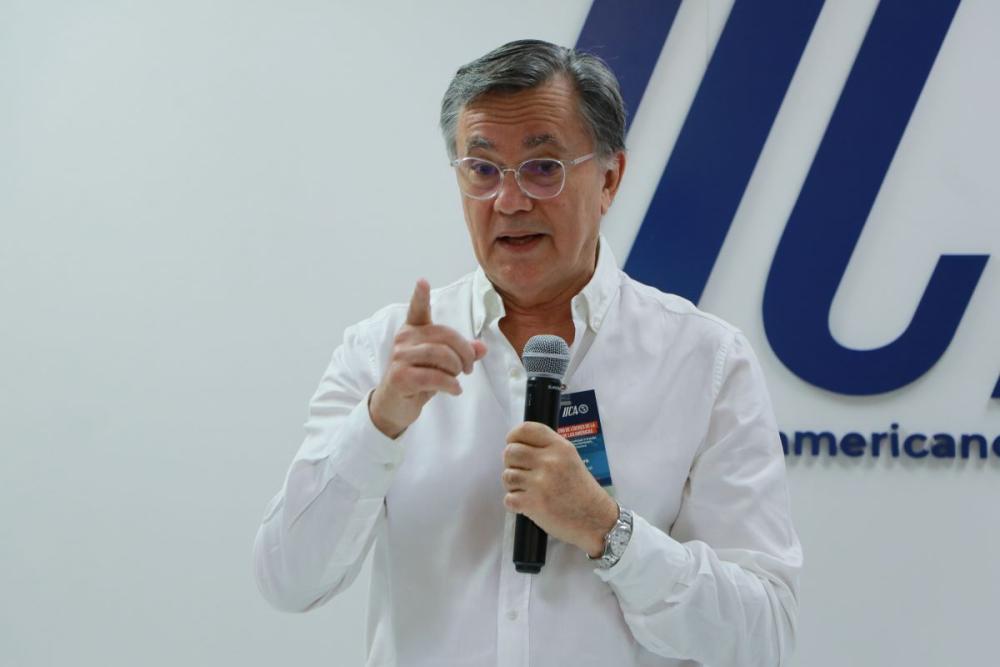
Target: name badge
pixel 580 423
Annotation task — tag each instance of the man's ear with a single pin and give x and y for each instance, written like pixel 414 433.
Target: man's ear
pixel 614 170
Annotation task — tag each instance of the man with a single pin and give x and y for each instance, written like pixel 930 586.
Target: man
pixel 415 445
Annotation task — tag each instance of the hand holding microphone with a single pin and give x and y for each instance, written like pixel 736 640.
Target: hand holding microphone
pixel 547 482
pixel 426 358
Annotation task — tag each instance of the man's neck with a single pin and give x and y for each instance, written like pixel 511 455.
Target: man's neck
pixel 553 315
pixel 519 326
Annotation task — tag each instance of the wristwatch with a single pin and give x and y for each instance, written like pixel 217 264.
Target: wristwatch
pixel 616 540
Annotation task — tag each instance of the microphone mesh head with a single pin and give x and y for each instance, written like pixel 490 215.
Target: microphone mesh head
pixel 546 355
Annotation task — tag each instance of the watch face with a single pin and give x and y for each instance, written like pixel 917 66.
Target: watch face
pixel 617 540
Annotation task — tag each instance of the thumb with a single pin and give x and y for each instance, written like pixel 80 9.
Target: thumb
pixel 420 304
pixel 479 347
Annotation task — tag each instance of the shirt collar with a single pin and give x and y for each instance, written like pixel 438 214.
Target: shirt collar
pixel 590 305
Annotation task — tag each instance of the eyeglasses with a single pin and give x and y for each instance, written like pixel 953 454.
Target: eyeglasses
pixel 539 178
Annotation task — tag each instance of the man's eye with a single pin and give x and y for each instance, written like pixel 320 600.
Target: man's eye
pixel 482 169
pixel 542 167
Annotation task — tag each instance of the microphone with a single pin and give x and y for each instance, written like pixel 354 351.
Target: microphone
pixel 545 359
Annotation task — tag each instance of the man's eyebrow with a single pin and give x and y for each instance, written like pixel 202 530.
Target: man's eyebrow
pixel 542 140
pixel 535 140
pixel 478 142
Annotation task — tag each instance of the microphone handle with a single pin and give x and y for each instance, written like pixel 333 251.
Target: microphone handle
pixel 541 404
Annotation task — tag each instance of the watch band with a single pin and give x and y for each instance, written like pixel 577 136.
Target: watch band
pixel 616 540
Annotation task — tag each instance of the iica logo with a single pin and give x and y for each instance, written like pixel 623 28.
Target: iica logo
pixel 719 146
pixel 574 410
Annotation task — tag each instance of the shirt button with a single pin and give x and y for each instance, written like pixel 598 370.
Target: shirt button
pixel 515 372
pixel 512 615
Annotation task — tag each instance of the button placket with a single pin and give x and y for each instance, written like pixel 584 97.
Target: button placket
pixel 512 612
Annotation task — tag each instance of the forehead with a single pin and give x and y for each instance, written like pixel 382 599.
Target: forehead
pixel 545 115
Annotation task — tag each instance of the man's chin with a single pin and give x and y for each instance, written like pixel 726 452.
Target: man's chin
pixel 523 282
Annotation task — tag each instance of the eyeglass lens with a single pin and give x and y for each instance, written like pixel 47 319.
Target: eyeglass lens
pixel 541 178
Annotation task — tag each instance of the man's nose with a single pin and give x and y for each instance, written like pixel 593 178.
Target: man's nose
pixel 510 197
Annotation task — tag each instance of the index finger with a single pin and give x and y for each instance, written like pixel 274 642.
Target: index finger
pixel 419 312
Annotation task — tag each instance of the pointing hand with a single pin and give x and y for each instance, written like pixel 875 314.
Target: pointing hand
pixel 426 358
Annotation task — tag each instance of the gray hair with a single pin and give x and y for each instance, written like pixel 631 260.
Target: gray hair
pixel 527 63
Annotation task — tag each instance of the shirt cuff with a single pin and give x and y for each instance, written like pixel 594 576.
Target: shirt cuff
pixel 652 566
pixel 364 456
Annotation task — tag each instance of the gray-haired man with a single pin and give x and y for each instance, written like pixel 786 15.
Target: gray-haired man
pixel 415 442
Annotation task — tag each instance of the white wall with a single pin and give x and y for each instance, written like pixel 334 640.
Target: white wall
pixel 195 200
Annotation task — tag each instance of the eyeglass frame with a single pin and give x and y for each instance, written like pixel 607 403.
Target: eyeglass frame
pixel 517 170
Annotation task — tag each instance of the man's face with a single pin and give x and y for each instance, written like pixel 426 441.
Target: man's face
pixel 536 250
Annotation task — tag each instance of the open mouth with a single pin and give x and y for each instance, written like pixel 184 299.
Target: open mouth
pixel 519 241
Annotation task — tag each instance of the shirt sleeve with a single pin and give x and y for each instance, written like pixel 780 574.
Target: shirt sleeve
pixel 722 587
pixel 318 529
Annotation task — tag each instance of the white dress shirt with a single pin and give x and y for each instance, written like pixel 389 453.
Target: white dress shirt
pixel 710 575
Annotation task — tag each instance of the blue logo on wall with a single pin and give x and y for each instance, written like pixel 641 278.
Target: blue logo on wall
pixel 715 154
